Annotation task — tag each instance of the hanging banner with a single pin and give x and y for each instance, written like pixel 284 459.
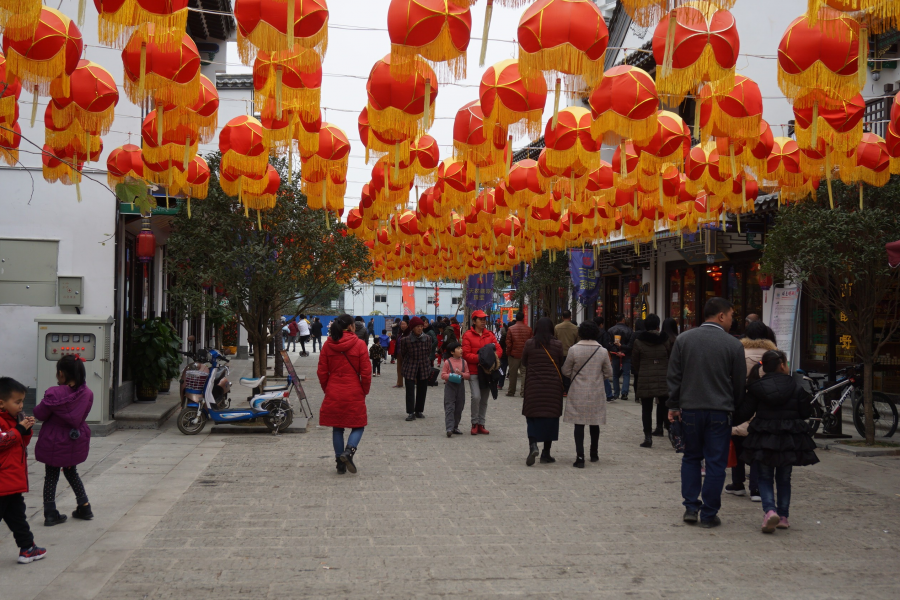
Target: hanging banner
pixel 517 275
pixel 481 291
pixel 408 289
pixel 586 284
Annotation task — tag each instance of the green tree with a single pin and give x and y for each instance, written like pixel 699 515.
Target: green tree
pixel 297 259
pixel 543 284
pixel 839 257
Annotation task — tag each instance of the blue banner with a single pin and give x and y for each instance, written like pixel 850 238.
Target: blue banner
pixel 480 291
pixel 586 284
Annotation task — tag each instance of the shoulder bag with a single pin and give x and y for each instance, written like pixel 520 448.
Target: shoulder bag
pixel 582 366
pixel 354 368
pixel 554 363
pixel 455 377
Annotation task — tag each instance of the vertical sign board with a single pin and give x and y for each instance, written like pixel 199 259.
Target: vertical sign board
pixel 784 317
pixel 480 291
pixel 408 289
pixel 584 279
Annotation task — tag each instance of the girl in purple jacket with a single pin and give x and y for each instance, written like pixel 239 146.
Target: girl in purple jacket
pixel 65 438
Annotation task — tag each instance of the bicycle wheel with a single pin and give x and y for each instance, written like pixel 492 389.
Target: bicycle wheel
pixel 884 415
pixel 816 418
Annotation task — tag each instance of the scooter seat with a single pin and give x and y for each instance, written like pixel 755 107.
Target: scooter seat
pixel 252 382
pixel 275 388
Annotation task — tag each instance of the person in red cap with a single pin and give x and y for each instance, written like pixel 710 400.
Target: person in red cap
pixel 474 340
pixel 415 354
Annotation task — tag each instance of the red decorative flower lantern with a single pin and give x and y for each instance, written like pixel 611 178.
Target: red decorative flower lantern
pixel 52 51
pixel 624 105
pixel 436 30
pixel 508 103
pixel 262 25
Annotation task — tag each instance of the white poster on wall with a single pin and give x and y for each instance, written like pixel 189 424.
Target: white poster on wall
pixel 784 317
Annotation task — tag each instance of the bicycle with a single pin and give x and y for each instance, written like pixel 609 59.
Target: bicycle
pixel 884 411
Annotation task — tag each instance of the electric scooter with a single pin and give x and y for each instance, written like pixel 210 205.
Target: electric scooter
pixel 205 401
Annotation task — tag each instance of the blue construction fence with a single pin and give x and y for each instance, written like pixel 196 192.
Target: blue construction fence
pixel 379 320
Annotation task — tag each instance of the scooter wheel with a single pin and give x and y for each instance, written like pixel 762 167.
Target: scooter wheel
pixel 281 420
pixel 191 421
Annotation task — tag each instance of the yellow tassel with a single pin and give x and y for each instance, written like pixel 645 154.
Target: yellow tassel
pixel 397 161
pixel 731 155
pixel 488 11
pixel 508 157
pixel 290 25
pixel 189 207
pixel 863 55
pixel 682 240
pixel 78 189
pixel 477 180
pixel 279 74
pixel 81 14
pixel 258 220
pixel 739 222
pixel 325 199
pixel 143 70
pixel 291 166
pixel 623 160
pixel 187 153
pixel 660 184
pixel 556 103
pixel 670 43
pixel 427 111
pixel 697 117
pixel 828 178
pixel 860 197
pixel 160 109
pixel 743 193
pixel 34 105
pixel 814 127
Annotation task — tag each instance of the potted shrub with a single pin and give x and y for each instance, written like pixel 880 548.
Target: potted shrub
pixel 154 356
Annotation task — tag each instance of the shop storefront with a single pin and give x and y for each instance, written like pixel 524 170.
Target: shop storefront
pixel 693 281
pixel 623 294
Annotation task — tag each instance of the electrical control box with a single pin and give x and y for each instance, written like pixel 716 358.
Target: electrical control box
pixel 70 291
pixel 89 337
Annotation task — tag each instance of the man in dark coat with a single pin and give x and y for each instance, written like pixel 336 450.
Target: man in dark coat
pixel 650 360
pixel 621 356
pixel 361 331
pixel 415 353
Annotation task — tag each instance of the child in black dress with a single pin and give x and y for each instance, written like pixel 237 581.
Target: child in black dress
pixel 778 436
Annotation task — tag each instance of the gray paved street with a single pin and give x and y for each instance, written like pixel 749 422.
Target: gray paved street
pixel 259 516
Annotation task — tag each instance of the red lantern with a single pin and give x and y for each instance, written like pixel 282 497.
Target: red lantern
pixel 436 30
pixel 508 103
pixel 401 108
pixel 624 105
pixel 145 244
pixel 52 51
pixel 262 24
pixel 169 75
pixel 124 161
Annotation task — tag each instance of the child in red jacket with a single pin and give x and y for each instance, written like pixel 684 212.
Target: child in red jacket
pixel 15 434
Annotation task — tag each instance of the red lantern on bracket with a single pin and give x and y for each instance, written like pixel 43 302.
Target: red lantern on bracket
pixel 145 244
pixel 765 284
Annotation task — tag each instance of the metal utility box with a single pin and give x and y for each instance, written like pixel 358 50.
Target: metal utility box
pixel 71 291
pixel 86 336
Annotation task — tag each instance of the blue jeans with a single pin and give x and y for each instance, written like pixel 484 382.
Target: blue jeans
pixel 707 434
pixel 621 366
pixel 769 477
pixel 607 384
pixel 337 437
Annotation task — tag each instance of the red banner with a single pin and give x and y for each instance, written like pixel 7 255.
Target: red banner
pixel 409 297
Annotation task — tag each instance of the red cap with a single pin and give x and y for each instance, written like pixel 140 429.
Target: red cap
pixel 480 314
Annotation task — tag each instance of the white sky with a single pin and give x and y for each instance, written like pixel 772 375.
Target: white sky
pixel 353 52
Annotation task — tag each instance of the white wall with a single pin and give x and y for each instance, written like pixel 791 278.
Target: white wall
pixel 82 229
pixel 363 302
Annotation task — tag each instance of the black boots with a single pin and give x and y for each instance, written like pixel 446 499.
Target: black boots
pixel 51 515
pixel 532 453
pixel 545 455
pixel 648 441
pixel 341 467
pixel 411 417
pixel 83 512
pixel 579 462
pixel 346 457
pixel 658 432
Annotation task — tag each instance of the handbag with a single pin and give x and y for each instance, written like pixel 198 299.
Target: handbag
pixel 455 377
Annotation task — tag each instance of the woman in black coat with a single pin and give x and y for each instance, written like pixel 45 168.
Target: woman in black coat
pixel 778 436
pixel 543 402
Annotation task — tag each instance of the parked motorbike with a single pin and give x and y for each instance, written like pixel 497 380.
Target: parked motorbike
pixel 206 398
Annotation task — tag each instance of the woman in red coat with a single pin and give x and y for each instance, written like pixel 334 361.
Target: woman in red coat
pixel 345 374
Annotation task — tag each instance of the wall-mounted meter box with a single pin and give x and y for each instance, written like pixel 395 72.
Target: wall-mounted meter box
pixel 70 291
pixel 89 337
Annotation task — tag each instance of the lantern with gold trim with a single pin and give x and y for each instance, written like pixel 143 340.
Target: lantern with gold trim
pixel 51 52
pixel 733 112
pixel 892 137
pixel 693 43
pixel 823 60
pixel 839 123
pixel 91 100
pixel 740 154
pixel 278 132
pixel 523 185
pixel 279 76
pixel 670 144
pixel 647 13
pixel 783 164
pixel 378 145
pixel 262 25
pixel 879 15
pixel 484 155
pixel 167 75
pixel 267 198
pixel 563 39
pixel 508 103
pixel 435 30
pixel 324 173
pixel 873 162
pixel 202 115
pixel 19 18
pixel 702 170
pixel 425 156
pixel 624 105
pixel 9 96
pixel 59 134
pixel 161 144
pixel 401 108
pixel 626 170
pixel 306 132
pixel 570 140
pixel 117 19
pixel 242 146
pixel 456 182
pixel 10 138
pixel 124 161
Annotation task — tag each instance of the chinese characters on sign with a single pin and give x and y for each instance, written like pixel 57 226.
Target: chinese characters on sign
pixel 480 291
pixel 586 284
pixel 408 289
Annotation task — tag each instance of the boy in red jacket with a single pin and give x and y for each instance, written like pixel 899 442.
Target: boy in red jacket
pixel 15 434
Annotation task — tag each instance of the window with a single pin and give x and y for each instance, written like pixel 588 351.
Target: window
pixel 430 299
pixel 381 298
pixel 456 300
